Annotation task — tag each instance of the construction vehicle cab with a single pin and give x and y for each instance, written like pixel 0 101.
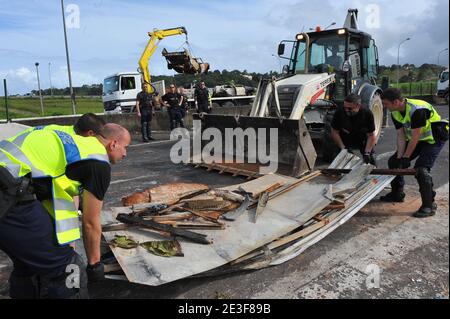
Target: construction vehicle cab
pixel 324 66
pixel 350 55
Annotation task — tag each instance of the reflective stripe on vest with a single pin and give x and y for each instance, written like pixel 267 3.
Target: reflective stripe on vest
pixel 17 153
pixel 426 133
pixel 20 138
pixel 14 169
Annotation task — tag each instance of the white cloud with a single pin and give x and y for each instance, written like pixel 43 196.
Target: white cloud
pixel 228 34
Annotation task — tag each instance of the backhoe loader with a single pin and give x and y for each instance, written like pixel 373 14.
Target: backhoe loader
pixel 324 66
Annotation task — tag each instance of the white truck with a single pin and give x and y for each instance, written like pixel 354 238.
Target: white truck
pixel 442 85
pixel 120 91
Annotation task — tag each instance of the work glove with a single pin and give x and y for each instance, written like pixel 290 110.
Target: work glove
pixel 405 162
pixel 96 272
pixel 368 159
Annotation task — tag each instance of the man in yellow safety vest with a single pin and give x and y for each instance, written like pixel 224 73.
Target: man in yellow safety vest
pixel 38 218
pixel 421 134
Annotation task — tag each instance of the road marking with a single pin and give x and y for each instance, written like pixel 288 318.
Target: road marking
pixel 132 179
pixel 385 155
pixel 152 143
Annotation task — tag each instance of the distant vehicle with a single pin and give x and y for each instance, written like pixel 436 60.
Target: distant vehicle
pixel 442 85
pixel 120 91
pixel 232 90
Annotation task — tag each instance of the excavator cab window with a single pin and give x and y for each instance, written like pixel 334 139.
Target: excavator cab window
pixel 371 59
pixel 327 54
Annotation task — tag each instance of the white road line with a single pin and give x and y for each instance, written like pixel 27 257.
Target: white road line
pixel 385 155
pixel 152 143
pixel 130 179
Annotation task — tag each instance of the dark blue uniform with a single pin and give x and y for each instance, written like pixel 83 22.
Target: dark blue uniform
pixel 146 108
pixel 175 109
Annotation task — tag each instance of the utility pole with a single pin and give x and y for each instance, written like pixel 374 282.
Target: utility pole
pixel 72 95
pixel 398 59
pixel 6 100
pixel 39 88
pixel 50 79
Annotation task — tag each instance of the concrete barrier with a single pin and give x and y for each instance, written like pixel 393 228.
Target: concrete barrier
pixel 160 121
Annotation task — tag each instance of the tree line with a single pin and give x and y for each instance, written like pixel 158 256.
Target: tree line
pixel 408 73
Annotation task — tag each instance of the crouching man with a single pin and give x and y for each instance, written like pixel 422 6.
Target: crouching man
pixel 420 134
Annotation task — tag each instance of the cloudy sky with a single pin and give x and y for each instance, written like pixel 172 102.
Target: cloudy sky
pixel 108 36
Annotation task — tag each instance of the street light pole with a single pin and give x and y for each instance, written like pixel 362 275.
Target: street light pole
pixel 39 88
pixel 333 23
pixel 50 79
pixel 440 54
pixel 398 59
pixel 72 95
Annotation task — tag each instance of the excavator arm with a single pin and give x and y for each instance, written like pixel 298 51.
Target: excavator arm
pixel 155 37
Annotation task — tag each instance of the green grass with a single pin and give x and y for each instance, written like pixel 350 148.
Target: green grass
pixel 31 107
pixel 417 88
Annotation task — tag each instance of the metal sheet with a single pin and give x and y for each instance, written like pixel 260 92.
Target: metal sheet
pixel 282 214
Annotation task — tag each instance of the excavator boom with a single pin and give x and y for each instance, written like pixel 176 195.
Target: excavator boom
pixel 155 37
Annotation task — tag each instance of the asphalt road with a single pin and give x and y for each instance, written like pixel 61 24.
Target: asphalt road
pixel 414 263
pixel 411 254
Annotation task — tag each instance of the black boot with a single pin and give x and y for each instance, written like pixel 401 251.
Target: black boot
pixel 434 205
pixel 427 194
pixel 424 212
pixel 396 196
pixel 144 131
pixel 149 132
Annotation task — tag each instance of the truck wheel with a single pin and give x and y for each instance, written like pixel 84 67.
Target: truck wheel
pixel 376 106
pixel 329 149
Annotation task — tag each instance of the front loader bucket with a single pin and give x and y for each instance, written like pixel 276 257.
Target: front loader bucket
pixel 281 146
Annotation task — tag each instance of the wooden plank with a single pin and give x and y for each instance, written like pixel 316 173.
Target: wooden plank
pixel 170 217
pixel 195 237
pixel 292 185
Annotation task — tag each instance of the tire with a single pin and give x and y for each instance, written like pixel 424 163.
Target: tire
pixel 376 106
pixel 329 149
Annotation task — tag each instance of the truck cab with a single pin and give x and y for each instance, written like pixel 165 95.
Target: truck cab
pixel 120 91
pixel 442 85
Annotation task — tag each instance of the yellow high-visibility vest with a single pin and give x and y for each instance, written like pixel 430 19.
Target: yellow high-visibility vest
pixel 426 134
pixel 18 138
pixel 46 153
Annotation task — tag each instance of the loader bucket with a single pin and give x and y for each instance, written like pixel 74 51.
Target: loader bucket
pixel 282 146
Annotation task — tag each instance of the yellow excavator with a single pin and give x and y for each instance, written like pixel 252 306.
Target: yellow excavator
pixel 181 62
